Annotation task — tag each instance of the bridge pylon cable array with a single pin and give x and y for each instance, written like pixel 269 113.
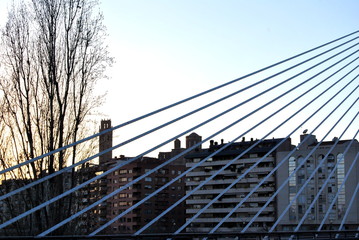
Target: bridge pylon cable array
pixel 317 79
pixel 236 158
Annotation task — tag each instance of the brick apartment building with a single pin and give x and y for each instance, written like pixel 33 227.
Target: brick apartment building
pixel 144 213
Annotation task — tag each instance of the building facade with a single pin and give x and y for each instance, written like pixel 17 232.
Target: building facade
pixel 144 213
pixel 323 191
pixel 324 188
pixel 147 211
pixel 211 216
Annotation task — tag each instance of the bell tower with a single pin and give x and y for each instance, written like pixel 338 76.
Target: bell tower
pixel 105 141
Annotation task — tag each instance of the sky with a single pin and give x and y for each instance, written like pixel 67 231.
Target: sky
pixel 166 51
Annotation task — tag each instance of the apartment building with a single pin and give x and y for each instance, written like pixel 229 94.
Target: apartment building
pixel 331 172
pixel 95 217
pixel 211 216
pixel 13 206
pixel 147 211
pixel 144 213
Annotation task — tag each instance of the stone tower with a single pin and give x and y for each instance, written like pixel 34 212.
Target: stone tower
pixel 105 141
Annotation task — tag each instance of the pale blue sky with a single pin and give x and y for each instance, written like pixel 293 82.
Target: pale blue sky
pixel 168 50
pixel 163 45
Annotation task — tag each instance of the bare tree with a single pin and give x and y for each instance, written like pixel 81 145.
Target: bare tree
pixel 52 56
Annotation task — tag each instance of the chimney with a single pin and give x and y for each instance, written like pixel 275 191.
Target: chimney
pixel 177 144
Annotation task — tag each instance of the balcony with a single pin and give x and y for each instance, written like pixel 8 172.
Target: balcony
pixel 239 161
pixel 236 190
pixel 238 219
pixel 229 181
pixel 223 229
pixel 223 199
pixel 227 210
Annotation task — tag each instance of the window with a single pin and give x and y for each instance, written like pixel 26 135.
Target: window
pixel 148 211
pixel 292 165
pixel 300 160
pixel 331 158
pixel 340 181
pixel 148 179
pixel 321 208
pixel 208 168
pixel 300 209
